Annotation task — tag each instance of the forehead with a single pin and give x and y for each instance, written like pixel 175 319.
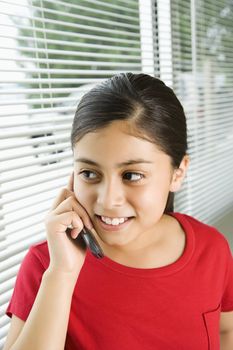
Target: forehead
pixel 117 142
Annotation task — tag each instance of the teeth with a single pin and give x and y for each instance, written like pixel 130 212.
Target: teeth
pixel 114 221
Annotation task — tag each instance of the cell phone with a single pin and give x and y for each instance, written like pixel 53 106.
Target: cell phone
pixel 91 243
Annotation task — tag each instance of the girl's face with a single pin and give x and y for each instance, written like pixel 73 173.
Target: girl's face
pixel 118 175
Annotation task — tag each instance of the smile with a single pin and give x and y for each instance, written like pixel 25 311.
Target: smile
pixel 113 224
pixel 113 221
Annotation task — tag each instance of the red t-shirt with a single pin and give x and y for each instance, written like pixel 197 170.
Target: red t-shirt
pixel 118 307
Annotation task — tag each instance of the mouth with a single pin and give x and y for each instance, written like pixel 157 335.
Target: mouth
pixel 115 224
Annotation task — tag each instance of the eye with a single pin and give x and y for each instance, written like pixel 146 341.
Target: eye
pixel 88 175
pixel 130 176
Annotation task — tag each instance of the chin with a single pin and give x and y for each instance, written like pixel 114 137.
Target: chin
pixel 117 242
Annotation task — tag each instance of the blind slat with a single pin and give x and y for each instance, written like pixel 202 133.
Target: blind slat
pixel 73 53
pixel 38 191
pixel 74 63
pixel 34 141
pixel 106 4
pixel 23 245
pixel 71 35
pixel 38 161
pixel 74 25
pixel 90 28
pixel 33 152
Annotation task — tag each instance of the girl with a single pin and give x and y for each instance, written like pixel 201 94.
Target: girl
pixel 166 279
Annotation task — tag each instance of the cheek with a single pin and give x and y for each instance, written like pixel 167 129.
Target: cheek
pixel 150 197
pixel 81 191
pixel 142 198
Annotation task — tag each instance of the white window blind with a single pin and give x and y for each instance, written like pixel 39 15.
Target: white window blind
pixel 197 42
pixel 51 52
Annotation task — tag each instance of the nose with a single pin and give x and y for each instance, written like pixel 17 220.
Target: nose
pixel 110 195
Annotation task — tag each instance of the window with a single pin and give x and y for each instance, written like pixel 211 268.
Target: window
pixel 202 57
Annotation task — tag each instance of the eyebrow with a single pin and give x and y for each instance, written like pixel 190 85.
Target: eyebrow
pixel 119 165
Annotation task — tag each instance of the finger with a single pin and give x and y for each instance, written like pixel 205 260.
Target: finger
pixel 63 195
pixel 68 220
pixel 71 204
pixel 70 185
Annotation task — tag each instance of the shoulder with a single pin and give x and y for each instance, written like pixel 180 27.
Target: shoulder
pixel 28 280
pixel 212 255
pixel 205 235
pixel 37 257
pixel 40 250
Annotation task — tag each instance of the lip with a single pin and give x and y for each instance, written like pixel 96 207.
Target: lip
pixel 107 227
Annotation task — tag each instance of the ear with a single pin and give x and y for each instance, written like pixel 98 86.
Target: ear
pixel 179 174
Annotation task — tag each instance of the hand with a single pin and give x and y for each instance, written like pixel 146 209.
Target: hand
pixel 66 255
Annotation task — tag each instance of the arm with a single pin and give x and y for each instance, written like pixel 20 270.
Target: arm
pixel 16 327
pixel 226 330
pixel 47 323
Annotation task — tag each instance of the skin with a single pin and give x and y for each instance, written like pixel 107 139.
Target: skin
pixel 111 194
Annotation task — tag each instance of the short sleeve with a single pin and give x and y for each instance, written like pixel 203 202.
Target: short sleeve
pixel 27 285
pixel 227 300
